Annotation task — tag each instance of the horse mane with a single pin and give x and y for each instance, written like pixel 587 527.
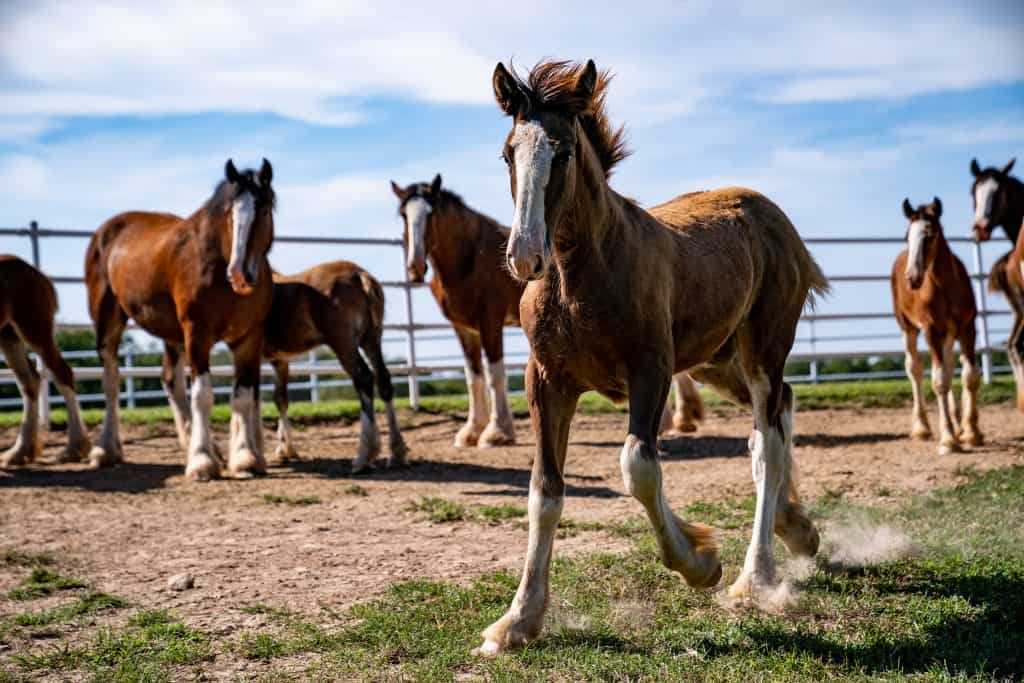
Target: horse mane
pixel 225 193
pixel 446 199
pixel 551 84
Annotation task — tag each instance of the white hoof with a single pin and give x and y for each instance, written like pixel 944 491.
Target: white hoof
pixel 488 649
pixel 495 435
pixel 468 436
pixel 105 456
pixel 75 452
pixel 285 452
pixel 245 464
pixel 21 454
pixel 201 467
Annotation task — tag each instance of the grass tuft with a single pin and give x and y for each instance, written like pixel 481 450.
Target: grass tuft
pixel 42 582
pixel 274 499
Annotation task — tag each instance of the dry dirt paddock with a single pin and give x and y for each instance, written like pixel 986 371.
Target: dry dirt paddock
pixel 128 529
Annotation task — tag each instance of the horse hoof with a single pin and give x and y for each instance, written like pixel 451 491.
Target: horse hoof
pixel 921 433
pixel 75 452
pixel 949 447
pixel 286 453
pixel 973 438
pixel 201 467
pixel 684 426
pixel 468 436
pixel 495 436
pixel 100 457
pixel 399 454
pixel 748 586
pixel 244 464
pixel 18 455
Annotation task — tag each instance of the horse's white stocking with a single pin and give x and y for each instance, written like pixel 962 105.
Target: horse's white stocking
pixel 399 451
pixel 285 446
pixel 201 463
pixel 369 438
pixel 246 458
pixel 971 381
pixel 915 371
pixel 500 430
pixel 27 446
pixel 108 451
pixel 942 379
pixel 178 398
pixel 768 459
pixel 78 446
pixel 525 616
pixel 686 548
pixel 469 435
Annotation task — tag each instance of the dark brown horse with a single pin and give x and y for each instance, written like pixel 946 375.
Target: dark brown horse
pixel 473 289
pixel 192 283
pixel 999 201
pixel 341 305
pixel 28 304
pixel 932 292
pixel 620 299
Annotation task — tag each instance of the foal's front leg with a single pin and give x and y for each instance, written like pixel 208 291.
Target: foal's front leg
pixel 476 421
pixel 942 380
pixel 246 457
pixel 687 548
pixel 202 465
pixel 552 401
pixel 500 430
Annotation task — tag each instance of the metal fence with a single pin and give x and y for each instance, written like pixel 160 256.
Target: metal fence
pixel 411 332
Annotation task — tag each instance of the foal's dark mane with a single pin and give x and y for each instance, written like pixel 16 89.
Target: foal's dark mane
pixel 446 199
pixel 551 85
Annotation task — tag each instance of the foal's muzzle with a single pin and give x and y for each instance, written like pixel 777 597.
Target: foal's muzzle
pixel 243 280
pixel 527 262
pixel 982 230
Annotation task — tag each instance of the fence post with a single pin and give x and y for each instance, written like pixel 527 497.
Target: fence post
pixel 979 281
pixel 314 379
pixel 129 381
pixel 44 377
pixel 414 387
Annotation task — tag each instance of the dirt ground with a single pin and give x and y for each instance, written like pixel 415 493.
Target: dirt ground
pixel 128 529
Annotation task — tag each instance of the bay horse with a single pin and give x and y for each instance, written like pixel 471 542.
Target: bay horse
pixel 618 300
pixel 932 292
pixel 28 305
pixel 999 201
pixel 191 282
pixel 478 295
pixel 341 305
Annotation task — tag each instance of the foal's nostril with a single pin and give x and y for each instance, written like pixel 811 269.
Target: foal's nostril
pixel 538 265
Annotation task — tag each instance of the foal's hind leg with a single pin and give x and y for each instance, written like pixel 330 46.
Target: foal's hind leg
pixel 285 448
pixel 689 408
pixel 362 380
pixel 245 458
pixel 110 323
pixel 792 524
pixel 172 376
pixel 501 429
pixel 27 446
pixel 552 400
pixel 919 428
pixel 41 339
pixel 396 444
pixel 476 421
pixel 971 381
pixel 942 380
pixel 687 548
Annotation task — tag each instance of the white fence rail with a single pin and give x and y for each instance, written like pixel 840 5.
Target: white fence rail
pixel 415 367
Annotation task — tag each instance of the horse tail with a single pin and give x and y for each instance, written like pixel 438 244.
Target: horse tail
pixel 817 285
pixel 997 281
pixel 375 299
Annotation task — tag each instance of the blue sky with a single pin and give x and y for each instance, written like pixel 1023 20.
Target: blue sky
pixel 836 113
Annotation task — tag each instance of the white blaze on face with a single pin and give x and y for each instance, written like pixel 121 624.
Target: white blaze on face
pixel 417 210
pixel 984 198
pixel 243 211
pixel 533 154
pixel 915 245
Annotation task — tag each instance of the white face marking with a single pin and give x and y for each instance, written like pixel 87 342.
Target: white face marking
pixel 417 210
pixel 915 245
pixel 243 211
pixel 984 198
pixel 533 154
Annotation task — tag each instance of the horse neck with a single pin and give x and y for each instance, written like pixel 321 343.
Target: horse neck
pixel 214 235
pixel 1014 210
pixel 456 232
pixel 942 266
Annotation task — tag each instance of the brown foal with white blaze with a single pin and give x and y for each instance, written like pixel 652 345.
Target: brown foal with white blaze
pixel 341 305
pixel 931 291
pixel 28 305
pixel 621 298
pixel 191 282
pixel 475 291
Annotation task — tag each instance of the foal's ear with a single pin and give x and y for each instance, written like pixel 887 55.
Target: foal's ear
pixel 507 92
pixel 1009 165
pixel 230 172
pixel 435 186
pixel 975 169
pixel 937 207
pixel 399 192
pixel 266 173
pixel 908 210
pixel 586 82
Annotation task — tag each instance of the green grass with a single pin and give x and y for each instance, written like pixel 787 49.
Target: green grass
pixel 355 490
pixel 274 499
pixel 441 511
pixel 865 394
pixel 42 582
pixel 91 603
pixel 18 558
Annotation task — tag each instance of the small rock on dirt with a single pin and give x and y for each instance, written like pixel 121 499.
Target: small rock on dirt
pixel 181 582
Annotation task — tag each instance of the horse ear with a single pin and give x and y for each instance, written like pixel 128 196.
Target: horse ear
pixel 586 82
pixel 975 169
pixel 230 172
pixel 507 92
pixel 937 207
pixel 266 173
pixel 399 192
pixel 908 210
pixel 435 186
pixel 1009 165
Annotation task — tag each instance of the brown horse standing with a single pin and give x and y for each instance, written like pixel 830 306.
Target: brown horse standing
pixel 341 305
pixel 931 291
pixel 28 304
pixel 619 300
pixel 192 283
pixel 999 201
pixel 473 289
pixel 477 294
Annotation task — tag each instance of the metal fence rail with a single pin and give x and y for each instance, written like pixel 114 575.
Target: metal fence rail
pixel 443 364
